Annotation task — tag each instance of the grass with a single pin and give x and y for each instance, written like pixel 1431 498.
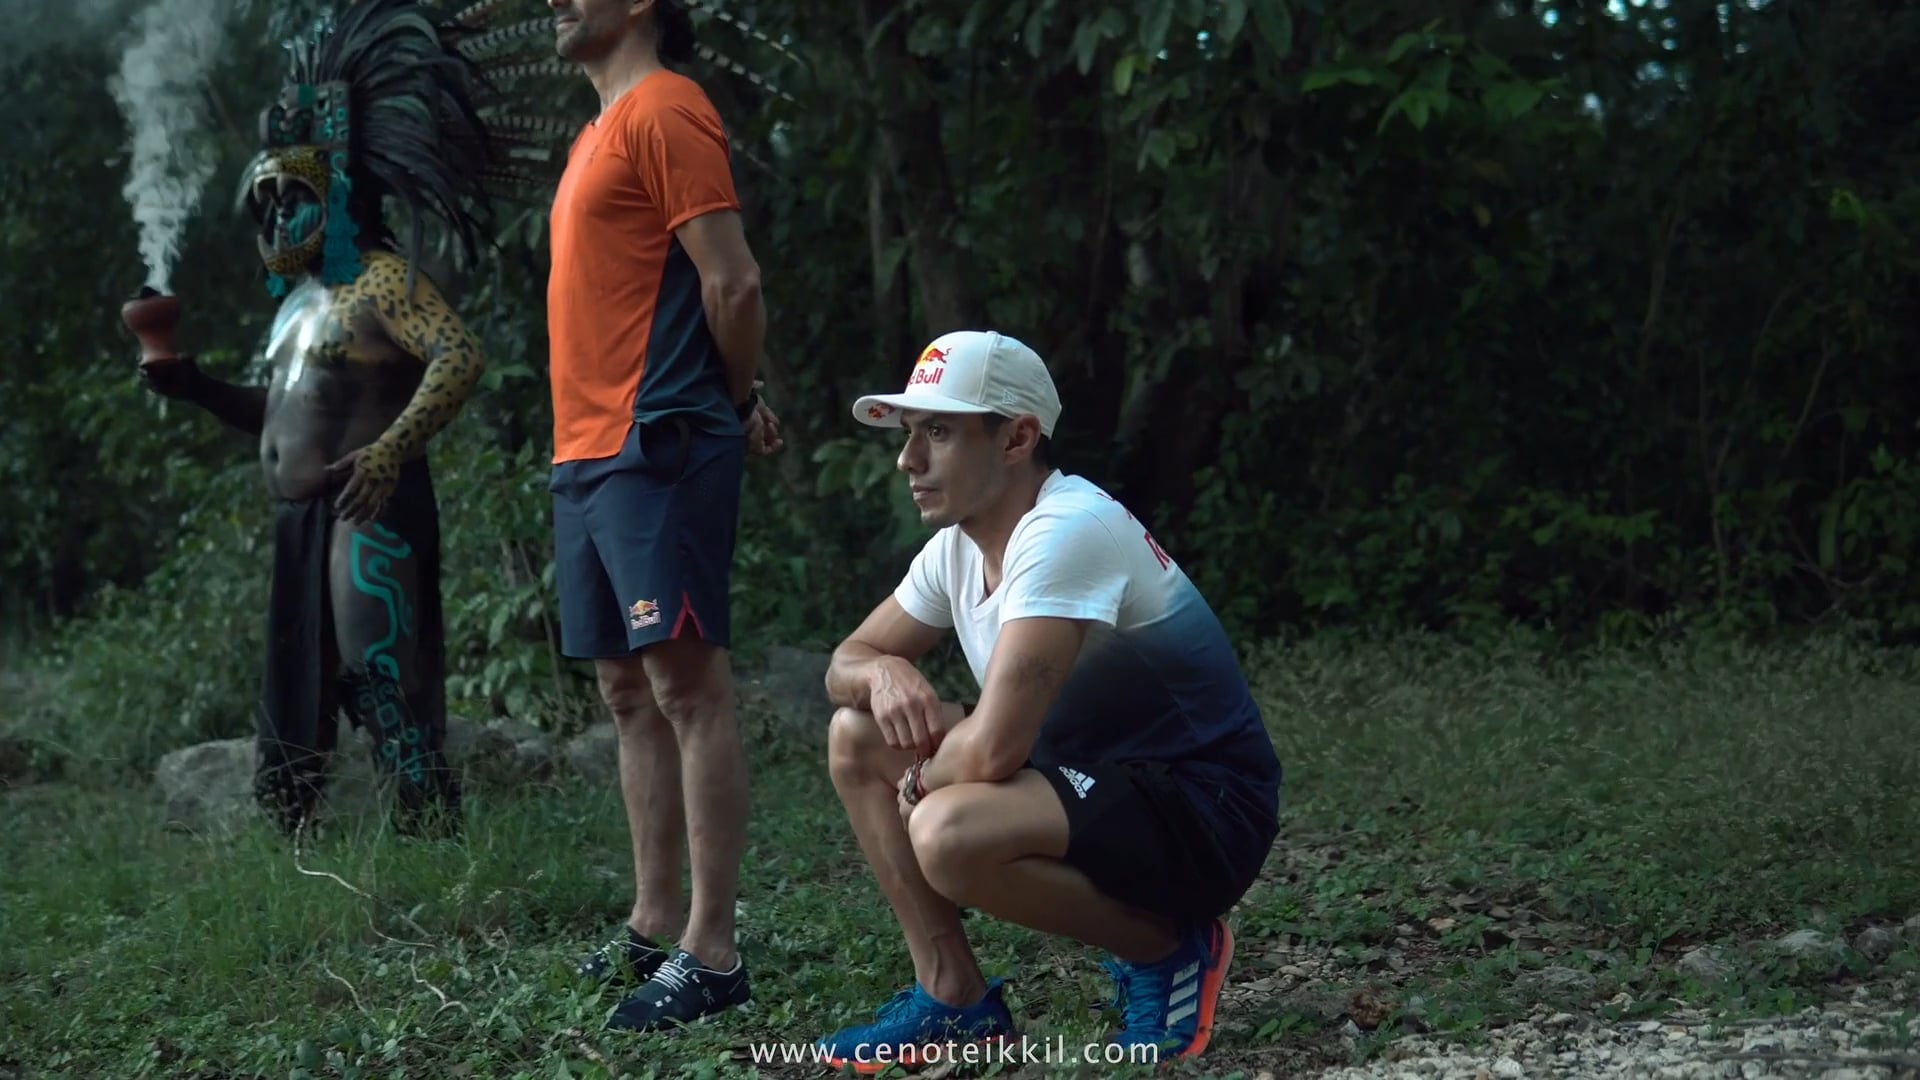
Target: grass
pixel 1456 822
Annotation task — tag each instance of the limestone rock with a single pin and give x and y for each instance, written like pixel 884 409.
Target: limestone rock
pixel 208 787
pixel 790 694
pixel 594 755
pixel 1814 948
pixel 1558 981
pixel 1877 943
pixel 1704 964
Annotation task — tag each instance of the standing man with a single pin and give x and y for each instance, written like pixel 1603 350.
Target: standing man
pixel 1115 785
pixel 655 325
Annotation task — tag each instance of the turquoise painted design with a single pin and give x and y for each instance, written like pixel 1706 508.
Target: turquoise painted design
pixel 402 744
pixel 372 560
pixel 341 263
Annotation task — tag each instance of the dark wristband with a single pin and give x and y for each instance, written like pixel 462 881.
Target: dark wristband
pixel 745 408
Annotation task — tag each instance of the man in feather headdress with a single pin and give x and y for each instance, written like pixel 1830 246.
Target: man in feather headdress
pixel 368 363
pixel 655 323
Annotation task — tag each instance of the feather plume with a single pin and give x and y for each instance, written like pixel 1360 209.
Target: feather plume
pixel 513 67
pixel 443 113
pixel 720 60
pixel 479 14
pixel 551 126
pixel 520 34
pixel 715 11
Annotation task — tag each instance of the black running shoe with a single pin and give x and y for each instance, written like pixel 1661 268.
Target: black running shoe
pixel 680 992
pixel 631 959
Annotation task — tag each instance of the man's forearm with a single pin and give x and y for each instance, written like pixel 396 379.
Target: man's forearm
pixel 444 388
pixel 241 407
pixel 850 675
pixel 966 757
pixel 738 320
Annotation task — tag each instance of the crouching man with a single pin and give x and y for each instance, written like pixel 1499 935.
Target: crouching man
pixel 1114 784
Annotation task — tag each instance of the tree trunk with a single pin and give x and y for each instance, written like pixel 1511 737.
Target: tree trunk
pixel 1087 356
pixel 890 347
pixel 911 148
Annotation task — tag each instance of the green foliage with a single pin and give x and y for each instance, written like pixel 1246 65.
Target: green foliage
pixel 1440 316
pixel 1456 819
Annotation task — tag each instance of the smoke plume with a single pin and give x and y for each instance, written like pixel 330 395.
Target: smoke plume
pixel 161 90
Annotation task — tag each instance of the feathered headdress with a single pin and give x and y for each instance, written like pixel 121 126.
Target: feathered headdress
pixel 444 112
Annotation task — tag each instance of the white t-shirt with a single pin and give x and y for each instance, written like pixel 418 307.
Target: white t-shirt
pixel 1157 679
pixel 1078 554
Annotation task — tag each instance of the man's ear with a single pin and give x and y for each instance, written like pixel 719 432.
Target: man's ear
pixel 1023 436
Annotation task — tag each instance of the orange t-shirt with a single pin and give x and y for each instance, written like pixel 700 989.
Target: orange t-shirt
pixel 626 325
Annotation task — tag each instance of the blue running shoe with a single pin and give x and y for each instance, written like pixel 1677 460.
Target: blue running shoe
pixel 911 1020
pixel 1169 1005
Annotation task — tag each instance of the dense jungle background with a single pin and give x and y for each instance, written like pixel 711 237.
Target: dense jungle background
pixel 1589 316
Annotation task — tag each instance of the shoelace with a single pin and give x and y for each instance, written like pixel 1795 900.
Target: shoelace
pixel 672 974
pixel 606 955
pixel 1145 992
pixel 895 1005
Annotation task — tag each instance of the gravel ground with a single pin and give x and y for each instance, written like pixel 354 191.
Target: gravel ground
pixel 1862 1038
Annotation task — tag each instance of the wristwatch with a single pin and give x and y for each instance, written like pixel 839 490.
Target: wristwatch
pixel 745 408
pixel 910 788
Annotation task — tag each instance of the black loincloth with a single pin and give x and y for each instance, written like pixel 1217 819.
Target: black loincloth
pixel 305 686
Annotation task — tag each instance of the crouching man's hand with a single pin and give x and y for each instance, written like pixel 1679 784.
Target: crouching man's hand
pixel 906 708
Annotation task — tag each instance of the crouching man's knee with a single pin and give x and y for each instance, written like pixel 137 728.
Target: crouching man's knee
pixel 852 737
pixel 949 848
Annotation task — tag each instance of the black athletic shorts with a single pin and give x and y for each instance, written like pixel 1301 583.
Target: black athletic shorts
pixel 643 541
pixel 1134 831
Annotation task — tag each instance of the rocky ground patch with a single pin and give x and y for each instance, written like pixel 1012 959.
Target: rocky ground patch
pixel 1860 1038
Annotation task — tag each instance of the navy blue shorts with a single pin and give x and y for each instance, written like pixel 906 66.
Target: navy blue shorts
pixel 643 541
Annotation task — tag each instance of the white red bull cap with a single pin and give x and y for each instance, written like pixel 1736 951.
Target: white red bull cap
pixel 970 371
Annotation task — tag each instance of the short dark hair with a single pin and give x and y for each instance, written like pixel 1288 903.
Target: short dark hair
pixel 1042 449
pixel 672 31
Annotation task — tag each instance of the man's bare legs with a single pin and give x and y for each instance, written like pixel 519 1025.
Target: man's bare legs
pixel 866 772
pixel 1000 848
pixel 683 770
pixel 650 786
pixel 996 847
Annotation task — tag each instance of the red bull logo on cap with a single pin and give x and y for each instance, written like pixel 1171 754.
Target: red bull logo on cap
pixel 928 369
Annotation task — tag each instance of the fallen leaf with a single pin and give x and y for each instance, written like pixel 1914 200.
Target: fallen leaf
pixel 1367 1009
